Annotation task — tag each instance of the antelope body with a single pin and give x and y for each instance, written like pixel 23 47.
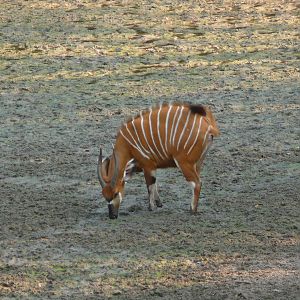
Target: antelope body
pixel 165 136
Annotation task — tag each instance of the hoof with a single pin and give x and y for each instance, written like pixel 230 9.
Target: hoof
pixel 193 211
pixel 150 208
pixel 158 204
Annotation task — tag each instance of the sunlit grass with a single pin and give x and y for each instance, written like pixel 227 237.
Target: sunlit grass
pixel 111 277
pixel 71 62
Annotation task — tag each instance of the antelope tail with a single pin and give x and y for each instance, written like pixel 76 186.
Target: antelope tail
pixel 214 129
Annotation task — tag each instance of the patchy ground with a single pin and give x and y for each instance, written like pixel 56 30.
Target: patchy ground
pixel 71 71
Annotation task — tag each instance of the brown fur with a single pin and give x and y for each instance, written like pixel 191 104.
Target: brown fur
pixel 176 138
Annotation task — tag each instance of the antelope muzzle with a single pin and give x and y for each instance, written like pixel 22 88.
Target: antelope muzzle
pixel 112 211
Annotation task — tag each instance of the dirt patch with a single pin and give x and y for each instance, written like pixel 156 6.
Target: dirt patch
pixel 71 72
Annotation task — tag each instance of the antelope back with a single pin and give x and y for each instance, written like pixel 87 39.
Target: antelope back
pixel 162 132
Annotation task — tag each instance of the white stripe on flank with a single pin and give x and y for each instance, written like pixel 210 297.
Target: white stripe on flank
pixel 158 133
pixel 132 137
pixel 196 136
pixel 175 115
pixel 177 164
pixel 151 133
pixel 204 152
pixel 175 131
pixel 204 140
pixel 207 145
pixel 143 154
pixel 140 144
pixel 166 131
pixel 190 132
pixel 145 137
pixel 183 130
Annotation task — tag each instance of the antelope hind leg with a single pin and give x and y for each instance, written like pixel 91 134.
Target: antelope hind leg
pixel 192 177
pixel 196 195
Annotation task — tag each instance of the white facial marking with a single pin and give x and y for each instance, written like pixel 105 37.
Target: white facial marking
pixel 120 197
pixel 116 201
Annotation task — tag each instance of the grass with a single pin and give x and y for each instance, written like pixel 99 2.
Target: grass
pixel 71 71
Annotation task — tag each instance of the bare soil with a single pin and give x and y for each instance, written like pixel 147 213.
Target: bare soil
pixel 71 72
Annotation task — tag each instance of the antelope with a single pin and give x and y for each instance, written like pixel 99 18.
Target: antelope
pixel 168 135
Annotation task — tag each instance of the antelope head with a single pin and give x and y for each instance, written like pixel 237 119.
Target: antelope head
pixel 112 180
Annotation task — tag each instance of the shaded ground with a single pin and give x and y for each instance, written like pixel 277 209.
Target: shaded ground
pixel 71 71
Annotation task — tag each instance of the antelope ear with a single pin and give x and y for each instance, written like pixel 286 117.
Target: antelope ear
pixel 129 170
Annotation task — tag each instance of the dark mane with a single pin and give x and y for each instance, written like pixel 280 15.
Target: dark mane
pixel 198 109
pixel 195 109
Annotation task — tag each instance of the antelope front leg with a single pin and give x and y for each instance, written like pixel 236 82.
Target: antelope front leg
pixel 150 177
